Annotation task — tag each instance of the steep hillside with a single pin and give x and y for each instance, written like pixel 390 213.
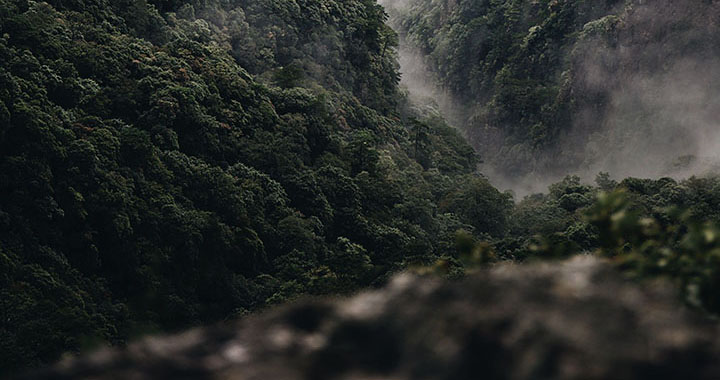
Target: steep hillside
pixel 547 88
pixel 170 163
pixel 551 87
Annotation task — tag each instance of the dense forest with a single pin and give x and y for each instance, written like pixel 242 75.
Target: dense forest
pixel 544 88
pixel 166 164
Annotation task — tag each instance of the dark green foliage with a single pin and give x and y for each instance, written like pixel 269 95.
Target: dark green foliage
pixel 649 228
pixel 478 203
pixel 170 163
pixel 552 86
pixel 673 244
pixel 505 55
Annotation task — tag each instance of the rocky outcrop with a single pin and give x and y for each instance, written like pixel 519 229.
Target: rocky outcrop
pixel 573 320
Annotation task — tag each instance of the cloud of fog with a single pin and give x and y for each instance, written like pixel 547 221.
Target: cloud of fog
pixel 655 110
pixel 664 124
pixel 417 80
pixel 660 76
pixel 393 6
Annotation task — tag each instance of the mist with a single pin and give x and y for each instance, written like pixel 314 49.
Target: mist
pixel 661 125
pixel 661 79
pixel 655 109
pixel 654 125
pixel 422 88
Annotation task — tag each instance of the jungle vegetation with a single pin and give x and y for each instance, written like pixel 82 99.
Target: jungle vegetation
pixel 544 88
pixel 166 164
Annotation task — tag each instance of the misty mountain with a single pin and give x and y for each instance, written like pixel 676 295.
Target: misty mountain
pixel 544 88
pixel 168 164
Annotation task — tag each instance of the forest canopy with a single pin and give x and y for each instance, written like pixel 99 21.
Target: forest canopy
pixel 551 87
pixel 166 164
pixel 173 163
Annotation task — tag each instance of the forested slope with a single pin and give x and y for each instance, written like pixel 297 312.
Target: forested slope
pixel 550 87
pixel 547 88
pixel 170 163
pixel 166 164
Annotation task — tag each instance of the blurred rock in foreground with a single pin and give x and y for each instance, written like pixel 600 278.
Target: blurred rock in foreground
pixel 572 320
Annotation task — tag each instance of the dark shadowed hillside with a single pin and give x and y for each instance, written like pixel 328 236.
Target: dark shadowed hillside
pixel 170 164
pixel 167 164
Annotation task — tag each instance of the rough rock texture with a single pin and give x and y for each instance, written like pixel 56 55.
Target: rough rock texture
pixel 572 320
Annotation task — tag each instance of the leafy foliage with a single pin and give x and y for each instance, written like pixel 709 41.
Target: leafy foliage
pixel 649 228
pixel 170 163
pixel 552 86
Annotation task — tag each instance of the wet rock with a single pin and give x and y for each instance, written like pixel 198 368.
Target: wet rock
pixel 577 319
